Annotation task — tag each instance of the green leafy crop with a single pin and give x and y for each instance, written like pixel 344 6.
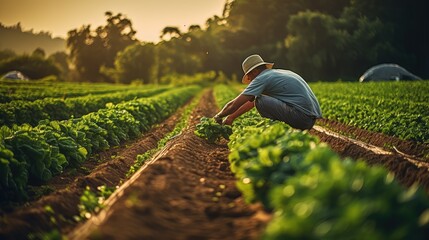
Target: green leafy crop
pixel 32 155
pixel 313 193
pixel 399 109
pixel 210 130
pixel 92 202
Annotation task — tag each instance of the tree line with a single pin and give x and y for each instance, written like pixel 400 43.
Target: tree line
pixel 21 41
pixel 320 40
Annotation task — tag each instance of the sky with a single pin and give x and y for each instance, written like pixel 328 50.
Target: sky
pixel 148 17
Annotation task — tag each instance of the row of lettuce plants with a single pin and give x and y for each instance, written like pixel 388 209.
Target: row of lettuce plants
pixel 399 109
pixel 402 90
pixel 91 202
pixel 31 112
pixel 34 90
pixel 34 154
pixel 312 192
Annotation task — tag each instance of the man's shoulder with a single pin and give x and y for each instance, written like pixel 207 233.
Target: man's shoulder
pixel 284 72
pixel 288 74
pixel 275 74
pixel 278 72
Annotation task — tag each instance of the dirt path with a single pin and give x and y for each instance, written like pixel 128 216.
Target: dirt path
pixel 371 147
pixel 187 192
pixel 417 150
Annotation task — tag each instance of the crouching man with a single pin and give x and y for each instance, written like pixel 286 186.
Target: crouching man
pixel 276 93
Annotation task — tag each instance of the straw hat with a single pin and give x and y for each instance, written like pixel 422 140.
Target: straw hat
pixel 251 63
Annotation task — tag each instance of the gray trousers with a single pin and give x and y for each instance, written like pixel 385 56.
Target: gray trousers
pixel 275 109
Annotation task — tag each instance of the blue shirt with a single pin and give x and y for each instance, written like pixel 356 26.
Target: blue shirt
pixel 287 87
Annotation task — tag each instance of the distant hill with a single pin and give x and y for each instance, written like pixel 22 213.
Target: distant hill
pixel 14 38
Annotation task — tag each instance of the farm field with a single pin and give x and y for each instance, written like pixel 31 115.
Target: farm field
pixel 261 183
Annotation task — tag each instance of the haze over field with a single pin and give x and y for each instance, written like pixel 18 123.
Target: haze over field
pixel 148 17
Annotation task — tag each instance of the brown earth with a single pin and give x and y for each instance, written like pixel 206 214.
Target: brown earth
pixel 415 149
pixel 408 165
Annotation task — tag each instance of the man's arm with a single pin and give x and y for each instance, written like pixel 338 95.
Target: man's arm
pixel 243 109
pixel 234 105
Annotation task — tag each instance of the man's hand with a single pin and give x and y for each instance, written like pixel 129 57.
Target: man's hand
pixel 228 120
pixel 217 119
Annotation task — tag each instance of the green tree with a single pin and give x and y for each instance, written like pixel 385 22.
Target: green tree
pixel 343 39
pixel 319 39
pixel 406 22
pixel 6 54
pixel 170 32
pixel 370 44
pixel 87 54
pixel 180 53
pixel 33 67
pixel 259 22
pixel 90 50
pixel 256 26
pixel 322 47
pixel 134 62
pixel 116 35
pixel 60 59
pixel 39 52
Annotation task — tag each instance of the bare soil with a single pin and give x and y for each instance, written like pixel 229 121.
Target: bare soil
pixel 415 149
pixel 409 164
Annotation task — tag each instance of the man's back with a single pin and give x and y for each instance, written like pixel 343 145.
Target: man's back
pixel 287 87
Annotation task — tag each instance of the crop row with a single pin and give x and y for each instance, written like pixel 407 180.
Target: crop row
pixel 389 108
pixel 415 91
pixel 33 91
pixel 380 102
pixel 313 193
pixel 35 154
pixel 31 112
pixel 178 128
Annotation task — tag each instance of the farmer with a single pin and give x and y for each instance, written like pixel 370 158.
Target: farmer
pixel 277 94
